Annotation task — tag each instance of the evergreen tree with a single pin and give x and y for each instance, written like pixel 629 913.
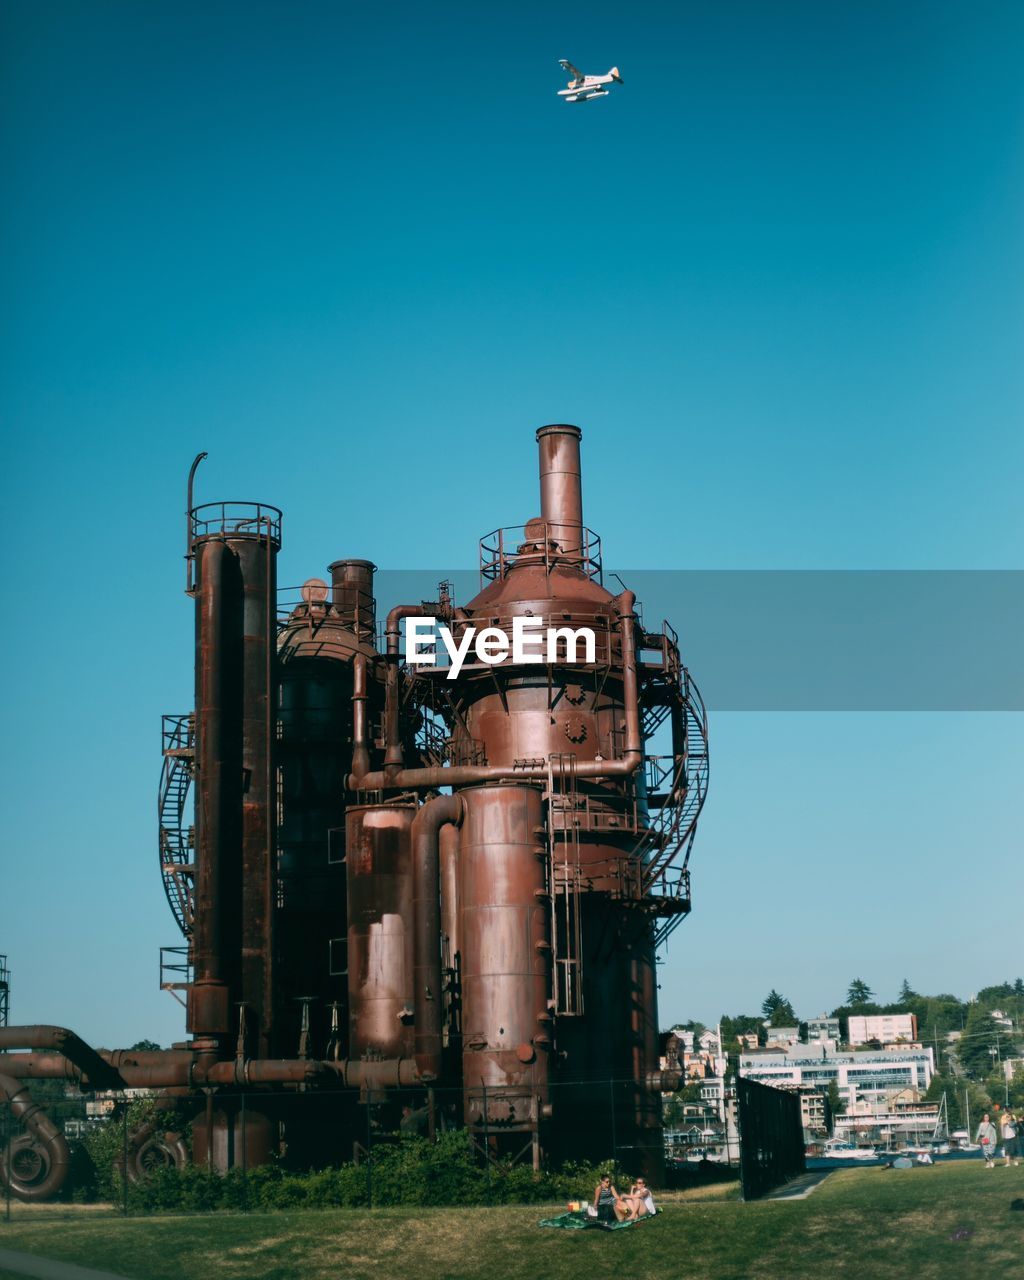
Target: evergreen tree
pixel 907 992
pixel 778 1010
pixel 859 992
pixel 975 1045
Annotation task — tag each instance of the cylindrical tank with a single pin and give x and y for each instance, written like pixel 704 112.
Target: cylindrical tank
pixel 378 864
pixel 317 648
pixel 564 714
pixel 257 558
pixel 505 948
pixel 234 547
pixel 352 597
pixel 218 808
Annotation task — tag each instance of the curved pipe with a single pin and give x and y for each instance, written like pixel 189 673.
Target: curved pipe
pixel 73 1047
pixel 393 755
pixel 44 1131
pixel 426 911
pixel 465 775
pixel 189 558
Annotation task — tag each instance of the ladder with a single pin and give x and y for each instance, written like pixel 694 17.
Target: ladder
pixel 564 883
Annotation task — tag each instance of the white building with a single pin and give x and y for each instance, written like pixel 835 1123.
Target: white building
pixel 823 1028
pixel 886 1028
pixel 867 1080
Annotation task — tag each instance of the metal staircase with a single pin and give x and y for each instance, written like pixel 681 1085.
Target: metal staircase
pixel 676 785
pixel 177 835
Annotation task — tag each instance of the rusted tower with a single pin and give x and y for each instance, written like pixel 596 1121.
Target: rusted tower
pixel 410 884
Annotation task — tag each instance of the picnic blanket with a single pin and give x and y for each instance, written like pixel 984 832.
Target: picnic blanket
pixel 584 1222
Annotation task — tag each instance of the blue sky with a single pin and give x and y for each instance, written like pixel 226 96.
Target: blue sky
pixel 360 254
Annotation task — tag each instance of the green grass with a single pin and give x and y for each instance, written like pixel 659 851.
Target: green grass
pixel 869 1223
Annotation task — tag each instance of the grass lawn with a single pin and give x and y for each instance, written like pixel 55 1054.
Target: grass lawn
pixel 871 1223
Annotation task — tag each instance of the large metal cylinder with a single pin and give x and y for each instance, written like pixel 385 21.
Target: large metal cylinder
pixel 352 595
pixel 378 863
pixel 561 491
pixel 218 767
pixel 505 946
pixel 257 558
pixel 328 691
pixel 235 551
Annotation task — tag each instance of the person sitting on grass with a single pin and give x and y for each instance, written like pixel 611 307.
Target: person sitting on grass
pixel 609 1204
pixel 640 1201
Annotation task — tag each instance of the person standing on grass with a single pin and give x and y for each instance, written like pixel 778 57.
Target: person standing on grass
pixel 987 1138
pixel 1011 1138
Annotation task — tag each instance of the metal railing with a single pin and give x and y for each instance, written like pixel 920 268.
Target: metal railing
pixel 235 519
pixel 502 549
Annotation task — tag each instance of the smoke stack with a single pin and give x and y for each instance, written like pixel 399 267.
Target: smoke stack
pixel 561 492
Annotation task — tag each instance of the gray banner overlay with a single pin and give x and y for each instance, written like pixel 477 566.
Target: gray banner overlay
pixel 850 640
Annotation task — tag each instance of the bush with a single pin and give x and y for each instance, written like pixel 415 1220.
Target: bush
pixel 410 1171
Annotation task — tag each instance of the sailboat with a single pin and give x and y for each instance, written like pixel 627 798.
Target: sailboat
pixel 968 1145
pixel 938 1143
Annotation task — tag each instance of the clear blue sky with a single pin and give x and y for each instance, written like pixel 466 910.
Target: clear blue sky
pixel 359 253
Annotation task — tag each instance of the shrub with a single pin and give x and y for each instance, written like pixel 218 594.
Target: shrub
pixel 407 1170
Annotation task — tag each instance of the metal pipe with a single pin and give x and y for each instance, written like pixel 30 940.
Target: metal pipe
pixel 175 1072
pixel 393 629
pixel 426 910
pixel 45 1133
pixel 189 561
pixel 466 775
pixel 394 757
pixel 561 490
pixel 379 1073
pixel 360 746
pixel 72 1046
pixel 665 1081
pixel 218 792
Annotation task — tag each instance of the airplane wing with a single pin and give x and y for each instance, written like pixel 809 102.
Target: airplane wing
pixel 567 66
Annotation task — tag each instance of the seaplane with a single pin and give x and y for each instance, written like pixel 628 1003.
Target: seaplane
pixel 582 87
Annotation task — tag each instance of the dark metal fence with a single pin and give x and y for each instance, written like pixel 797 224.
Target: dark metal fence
pixel 771 1137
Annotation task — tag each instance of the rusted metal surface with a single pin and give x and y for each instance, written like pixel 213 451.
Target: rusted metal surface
pixel 433 817
pixel 561 490
pixel 218 816
pixel 352 930
pixel 378 865
pixel 35 1164
pixel 506 954
pixel 328 688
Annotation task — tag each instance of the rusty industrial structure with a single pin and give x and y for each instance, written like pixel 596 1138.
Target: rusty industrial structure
pixel 433 893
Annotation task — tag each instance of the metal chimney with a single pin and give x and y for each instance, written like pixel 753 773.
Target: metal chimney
pixel 561 493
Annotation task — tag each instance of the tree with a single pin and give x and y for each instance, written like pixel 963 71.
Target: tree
pixel 777 1009
pixel 907 992
pixel 835 1099
pixel 144 1044
pixel 980 1036
pixel 859 992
